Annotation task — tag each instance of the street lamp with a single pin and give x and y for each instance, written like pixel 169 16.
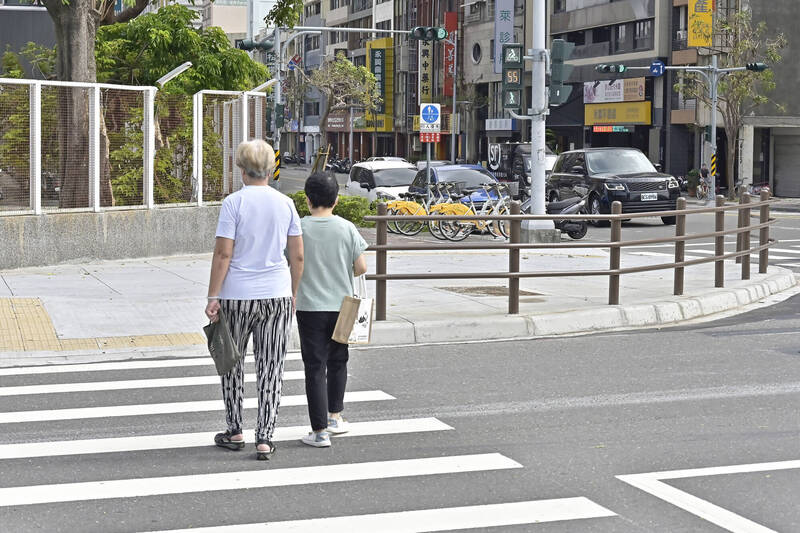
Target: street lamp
pixel 264 86
pixel 173 73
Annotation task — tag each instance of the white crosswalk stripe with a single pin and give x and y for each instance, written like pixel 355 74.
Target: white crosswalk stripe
pixel 504 514
pixel 128 487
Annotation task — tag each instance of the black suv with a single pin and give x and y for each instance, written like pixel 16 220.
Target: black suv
pixel 613 174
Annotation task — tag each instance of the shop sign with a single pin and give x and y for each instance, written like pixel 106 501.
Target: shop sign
pixel 451 25
pixel 611 129
pixel 377 60
pixel 425 72
pixel 337 121
pixel 605 91
pixel 618 113
pixel 701 21
pixel 503 30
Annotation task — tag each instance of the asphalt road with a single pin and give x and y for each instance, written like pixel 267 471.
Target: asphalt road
pixel 537 430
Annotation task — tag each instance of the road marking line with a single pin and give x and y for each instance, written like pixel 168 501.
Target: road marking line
pixel 260 478
pixel 658 254
pixel 113 411
pixel 771 256
pixel 192 440
pixel 784 251
pixel 118 365
pixel 89 386
pixel 444 519
pixel 652 483
pixel 788 265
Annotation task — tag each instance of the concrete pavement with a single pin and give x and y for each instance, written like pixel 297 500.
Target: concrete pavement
pixel 153 306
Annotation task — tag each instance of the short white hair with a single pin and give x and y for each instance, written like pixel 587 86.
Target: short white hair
pixel 256 158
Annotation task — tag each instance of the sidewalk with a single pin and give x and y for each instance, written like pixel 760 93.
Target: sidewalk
pixel 147 307
pixel 786 205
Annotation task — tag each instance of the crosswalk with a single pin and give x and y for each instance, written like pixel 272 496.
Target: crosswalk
pixel 784 254
pixel 88 447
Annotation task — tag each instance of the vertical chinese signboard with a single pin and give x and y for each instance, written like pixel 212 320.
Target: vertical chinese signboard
pixel 701 20
pixel 377 58
pixel 503 30
pixel 425 72
pixel 451 25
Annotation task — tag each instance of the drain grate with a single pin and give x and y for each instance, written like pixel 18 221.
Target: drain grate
pixel 489 290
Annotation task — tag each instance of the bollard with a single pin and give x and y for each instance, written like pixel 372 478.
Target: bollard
pixel 763 234
pixel 746 237
pixel 616 235
pixel 719 244
pixel 513 260
pixel 380 266
pixel 739 225
pixel 680 247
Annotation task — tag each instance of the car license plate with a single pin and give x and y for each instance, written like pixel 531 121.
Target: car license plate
pixel 649 196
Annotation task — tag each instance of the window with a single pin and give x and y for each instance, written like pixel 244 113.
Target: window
pixel 313 9
pixel 312 42
pixel 643 35
pixel 360 61
pixel 384 25
pixel 559 6
pixel 601 35
pixel 361 5
pixel 619 38
pixel 491 50
pixel 394 177
pixel 578 38
pixel 477 53
pixel 311 109
pixel 336 4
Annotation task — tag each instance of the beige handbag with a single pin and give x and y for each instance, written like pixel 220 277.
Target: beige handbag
pixel 354 324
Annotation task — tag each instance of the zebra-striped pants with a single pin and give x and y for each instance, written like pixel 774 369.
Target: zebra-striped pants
pixel 269 322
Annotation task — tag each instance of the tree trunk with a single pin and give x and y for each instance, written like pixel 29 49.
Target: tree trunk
pixel 76 29
pixel 319 163
pixel 732 137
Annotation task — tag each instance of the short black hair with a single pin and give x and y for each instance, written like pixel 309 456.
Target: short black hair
pixel 321 189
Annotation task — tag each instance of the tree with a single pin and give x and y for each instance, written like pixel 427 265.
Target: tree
pixel 739 41
pixel 343 85
pixel 285 13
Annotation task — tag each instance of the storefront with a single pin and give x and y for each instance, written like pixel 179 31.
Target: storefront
pixel 616 114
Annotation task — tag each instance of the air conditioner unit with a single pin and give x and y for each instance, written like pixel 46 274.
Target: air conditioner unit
pixel 681 35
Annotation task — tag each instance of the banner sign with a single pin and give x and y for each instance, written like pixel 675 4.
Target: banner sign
pixel 377 62
pixel 503 30
pixel 605 91
pixel 701 21
pixel 618 113
pixel 425 89
pixel 451 25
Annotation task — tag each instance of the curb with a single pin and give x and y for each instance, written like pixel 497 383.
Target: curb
pixel 669 312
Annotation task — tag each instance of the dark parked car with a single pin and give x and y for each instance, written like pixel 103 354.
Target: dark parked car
pixel 613 174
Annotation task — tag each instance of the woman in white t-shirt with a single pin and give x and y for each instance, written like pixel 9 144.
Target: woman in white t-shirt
pixel 255 287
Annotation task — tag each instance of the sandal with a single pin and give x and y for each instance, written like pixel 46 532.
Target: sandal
pixel 264 455
pixel 223 440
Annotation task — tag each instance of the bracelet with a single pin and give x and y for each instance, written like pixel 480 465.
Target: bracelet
pixel 212 298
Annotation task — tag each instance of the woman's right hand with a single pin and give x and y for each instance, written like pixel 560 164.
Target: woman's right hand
pixel 212 310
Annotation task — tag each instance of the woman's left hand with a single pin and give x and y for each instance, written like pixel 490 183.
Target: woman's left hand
pixel 212 310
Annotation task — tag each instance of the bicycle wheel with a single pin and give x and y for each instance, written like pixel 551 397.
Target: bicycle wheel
pixel 435 226
pixel 700 192
pixel 391 226
pixel 499 228
pixel 457 230
pixel 411 227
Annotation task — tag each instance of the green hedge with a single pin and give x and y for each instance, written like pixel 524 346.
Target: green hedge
pixel 352 208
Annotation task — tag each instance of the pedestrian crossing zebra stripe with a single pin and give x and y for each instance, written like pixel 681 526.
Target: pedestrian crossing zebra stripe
pixel 443 519
pixel 114 411
pixel 119 365
pixel 192 440
pixel 127 384
pixel 283 477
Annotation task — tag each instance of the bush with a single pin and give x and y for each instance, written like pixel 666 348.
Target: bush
pixel 352 208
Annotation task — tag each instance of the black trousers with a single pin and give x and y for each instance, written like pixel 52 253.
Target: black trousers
pixel 325 363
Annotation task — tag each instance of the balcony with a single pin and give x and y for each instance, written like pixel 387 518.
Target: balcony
pixel 681 40
pixel 591 50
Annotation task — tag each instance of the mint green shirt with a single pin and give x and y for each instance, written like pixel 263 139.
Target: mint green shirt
pixel 330 246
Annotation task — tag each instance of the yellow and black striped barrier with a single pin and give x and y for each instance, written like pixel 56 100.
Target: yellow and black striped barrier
pixel 713 164
pixel 277 174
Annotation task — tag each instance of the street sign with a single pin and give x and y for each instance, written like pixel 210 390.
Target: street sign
pixel 430 137
pixel 657 68
pixel 430 118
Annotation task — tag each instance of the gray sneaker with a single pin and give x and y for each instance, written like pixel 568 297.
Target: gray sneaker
pixel 337 426
pixel 317 440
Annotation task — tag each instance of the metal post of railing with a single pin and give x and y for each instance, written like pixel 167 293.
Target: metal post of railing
pixel 616 236
pixel 763 234
pixel 680 247
pixel 739 235
pixel 513 260
pixel 719 244
pixel 36 147
pixel 746 237
pixel 94 148
pixel 148 191
pixel 380 266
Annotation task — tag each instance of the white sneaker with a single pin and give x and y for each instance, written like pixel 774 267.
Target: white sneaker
pixel 317 440
pixel 338 425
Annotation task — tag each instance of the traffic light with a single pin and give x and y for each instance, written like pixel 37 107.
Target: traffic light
pixel 611 68
pixel 249 44
pixel 280 109
pixel 756 67
pixel 512 76
pixel 428 33
pixel 560 51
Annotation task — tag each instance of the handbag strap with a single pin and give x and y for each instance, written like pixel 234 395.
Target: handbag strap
pixel 360 287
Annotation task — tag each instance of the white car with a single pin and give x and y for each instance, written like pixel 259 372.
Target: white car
pixel 376 180
pixel 386 158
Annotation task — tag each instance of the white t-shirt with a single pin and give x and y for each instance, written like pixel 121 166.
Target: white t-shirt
pixel 258 219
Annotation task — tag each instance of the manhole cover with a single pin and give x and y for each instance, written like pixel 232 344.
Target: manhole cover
pixel 486 291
